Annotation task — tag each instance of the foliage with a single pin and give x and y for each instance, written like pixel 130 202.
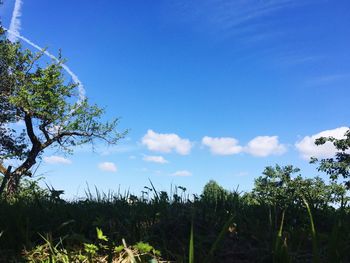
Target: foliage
pixel 278 188
pixel 340 164
pixel 101 251
pixel 214 192
pixel 275 188
pixel 47 106
pixel 230 229
pixel 29 190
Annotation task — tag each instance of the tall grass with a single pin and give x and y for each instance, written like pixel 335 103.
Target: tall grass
pixel 315 250
pixel 213 227
pixel 191 247
pixel 219 239
pixel 281 249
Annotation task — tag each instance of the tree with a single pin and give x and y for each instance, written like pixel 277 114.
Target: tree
pixel 46 104
pixel 274 187
pixel 340 164
pixel 213 192
pixel 279 189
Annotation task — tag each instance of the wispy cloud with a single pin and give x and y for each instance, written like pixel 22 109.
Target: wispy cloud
pixel 241 174
pixel 15 24
pixel 54 159
pixel 182 173
pixel 115 149
pixel 234 17
pixel 328 79
pixel 107 167
pixel 297 58
pixel 231 14
pixel 254 28
pixel 107 150
pixel 155 159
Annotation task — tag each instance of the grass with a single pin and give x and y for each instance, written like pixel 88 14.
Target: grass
pixel 217 226
pixel 315 251
pixel 191 247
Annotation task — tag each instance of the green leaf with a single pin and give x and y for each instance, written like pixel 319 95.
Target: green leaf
pixel 100 235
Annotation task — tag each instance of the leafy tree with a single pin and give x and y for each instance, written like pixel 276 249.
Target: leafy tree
pixel 46 104
pixel 274 187
pixel 340 164
pixel 278 188
pixel 212 192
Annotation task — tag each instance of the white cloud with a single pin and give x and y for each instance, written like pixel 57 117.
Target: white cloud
pixel 307 147
pixel 109 150
pixel 155 159
pixel 262 146
pixel 182 173
pixel 222 145
pixel 241 174
pixel 166 142
pixel 107 167
pixel 56 160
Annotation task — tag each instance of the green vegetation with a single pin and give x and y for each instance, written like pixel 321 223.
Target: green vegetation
pixel 281 220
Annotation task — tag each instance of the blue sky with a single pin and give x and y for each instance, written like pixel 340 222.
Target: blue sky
pixel 210 89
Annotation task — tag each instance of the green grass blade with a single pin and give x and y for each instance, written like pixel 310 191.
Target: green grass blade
pixel 218 240
pixel 154 189
pixel 279 234
pixel 191 247
pixel 281 250
pixel 315 251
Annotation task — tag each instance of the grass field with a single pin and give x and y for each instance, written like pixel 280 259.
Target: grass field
pixel 216 226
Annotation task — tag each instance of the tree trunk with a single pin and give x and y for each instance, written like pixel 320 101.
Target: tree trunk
pixel 5 180
pixel 12 184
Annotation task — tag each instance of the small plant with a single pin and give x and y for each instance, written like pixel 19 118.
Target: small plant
pixel 102 251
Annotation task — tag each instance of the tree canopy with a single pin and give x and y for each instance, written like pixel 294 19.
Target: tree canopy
pixel 339 165
pixel 280 187
pixel 48 109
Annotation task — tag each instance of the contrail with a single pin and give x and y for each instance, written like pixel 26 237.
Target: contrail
pixel 15 24
pixel 14 35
